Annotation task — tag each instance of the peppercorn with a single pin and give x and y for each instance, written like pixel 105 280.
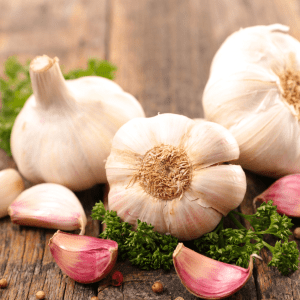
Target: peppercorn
pixel 40 295
pixel 297 233
pixel 157 287
pixel 3 283
pixel 117 278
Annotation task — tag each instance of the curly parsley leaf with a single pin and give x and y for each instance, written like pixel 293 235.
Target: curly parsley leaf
pixel 285 256
pixel 144 247
pixel 15 88
pixel 238 244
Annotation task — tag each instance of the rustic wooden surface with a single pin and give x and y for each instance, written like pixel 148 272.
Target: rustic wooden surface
pixel 163 50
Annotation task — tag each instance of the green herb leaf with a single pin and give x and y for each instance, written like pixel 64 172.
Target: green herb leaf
pixel 143 247
pixel 238 244
pixel 15 89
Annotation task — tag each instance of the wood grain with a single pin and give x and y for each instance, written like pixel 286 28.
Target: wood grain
pixel 163 51
pixel 71 30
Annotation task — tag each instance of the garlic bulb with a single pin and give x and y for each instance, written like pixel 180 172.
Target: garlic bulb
pixel 64 132
pixel 11 185
pixel 167 171
pixel 48 205
pixel 254 91
pixel 85 259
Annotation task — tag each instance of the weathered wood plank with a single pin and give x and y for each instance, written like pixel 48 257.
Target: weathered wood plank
pixel 163 50
pixel 269 282
pixel 164 65
pixel 71 30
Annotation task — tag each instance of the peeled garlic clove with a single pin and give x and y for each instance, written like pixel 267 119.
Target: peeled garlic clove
pixel 83 258
pixel 48 205
pixel 208 278
pixel 285 194
pixel 11 185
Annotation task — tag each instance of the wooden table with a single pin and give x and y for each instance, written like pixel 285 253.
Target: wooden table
pixel 163 50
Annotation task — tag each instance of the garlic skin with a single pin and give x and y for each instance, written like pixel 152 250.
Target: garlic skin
pixel 253 91
pixel 285 194
pixel 48 205
pixel 166 171
pixel 85 259
pixel 208 278
pixel 63 133
pixel 11 185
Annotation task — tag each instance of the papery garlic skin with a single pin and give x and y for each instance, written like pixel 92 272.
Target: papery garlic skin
pixel 207 278
pixel 203 189
pixel 11 185
pixel 63 133
pixel 85 259
pixel 285 194
pixel 48 205
pixel 245 93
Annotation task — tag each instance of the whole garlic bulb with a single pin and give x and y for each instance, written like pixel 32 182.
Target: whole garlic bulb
pixel 167 171
pixel 63 133
pixel 254 91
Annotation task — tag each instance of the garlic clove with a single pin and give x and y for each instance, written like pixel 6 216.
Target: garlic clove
pixel 163 128
pixel 48 205
pixel 285 194
pixel 188 219
pixel 220 187
pixel 148 133
pixel 85 259
pixel 208 278
pixel 259 147
pixel 11 185
pixel 134 203
pixel 217 144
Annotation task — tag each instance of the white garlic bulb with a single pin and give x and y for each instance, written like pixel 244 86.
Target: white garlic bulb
pixel 11 185
pixel 48 205
pixel 254 91
pixel 167 171
pixel 63 133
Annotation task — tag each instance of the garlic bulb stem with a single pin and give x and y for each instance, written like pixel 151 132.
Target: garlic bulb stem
pixel 48 84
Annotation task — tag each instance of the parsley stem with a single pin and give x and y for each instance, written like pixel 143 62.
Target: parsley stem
pixel 235 221
pixel 219 230
pixel 247 217
pixel 220 226
pixel 268 246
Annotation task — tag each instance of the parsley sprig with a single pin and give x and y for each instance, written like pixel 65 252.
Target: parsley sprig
pixel 236 245
pixel 143 247
pixel 15 88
